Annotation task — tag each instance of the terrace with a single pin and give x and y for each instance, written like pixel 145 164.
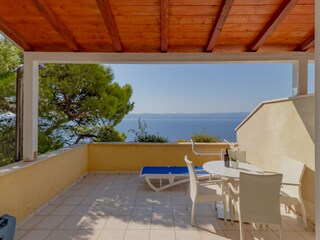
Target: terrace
pixel 157 31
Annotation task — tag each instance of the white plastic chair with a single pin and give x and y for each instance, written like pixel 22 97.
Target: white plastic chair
pixel 257 199
pixel 292 171
pixel 210 191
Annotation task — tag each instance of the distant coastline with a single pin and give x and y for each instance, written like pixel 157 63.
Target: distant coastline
pixel 176 126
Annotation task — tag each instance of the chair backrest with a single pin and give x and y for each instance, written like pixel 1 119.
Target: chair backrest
pixel 193 179
pixel 240 155
pixel 259 198
pixel 292 170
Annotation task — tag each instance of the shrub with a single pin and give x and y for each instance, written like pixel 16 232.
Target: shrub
pixel 204 137
pixel 142 135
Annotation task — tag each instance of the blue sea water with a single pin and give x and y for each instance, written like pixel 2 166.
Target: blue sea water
pixel 183 126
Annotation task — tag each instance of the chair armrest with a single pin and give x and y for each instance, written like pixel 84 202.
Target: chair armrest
pixel 269 172
pixel 211 182
pixel 232 190
pixel 291 184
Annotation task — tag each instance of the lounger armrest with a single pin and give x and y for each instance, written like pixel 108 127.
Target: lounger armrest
pixel 269 172
pixel 210 182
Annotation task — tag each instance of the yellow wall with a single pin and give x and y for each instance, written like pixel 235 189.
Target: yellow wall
pixel 132 156
pixel 24 187
pixel 283 128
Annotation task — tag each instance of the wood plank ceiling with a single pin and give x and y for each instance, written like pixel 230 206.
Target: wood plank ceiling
pixel 159 25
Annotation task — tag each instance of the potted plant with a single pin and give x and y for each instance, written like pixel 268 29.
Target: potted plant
pixel 234 162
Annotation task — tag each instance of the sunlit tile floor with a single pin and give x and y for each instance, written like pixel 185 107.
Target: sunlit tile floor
pixel 122 207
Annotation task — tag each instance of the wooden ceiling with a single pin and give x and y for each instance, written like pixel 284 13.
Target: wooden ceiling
pixel 159 25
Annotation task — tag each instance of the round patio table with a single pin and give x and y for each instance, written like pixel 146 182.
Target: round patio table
pixel 218 168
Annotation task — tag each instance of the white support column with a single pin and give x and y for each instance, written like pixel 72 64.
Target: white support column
pixel 300 77
pixel 30 108
pixel 317 119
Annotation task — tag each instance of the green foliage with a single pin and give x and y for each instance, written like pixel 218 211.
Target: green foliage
pixel 77 103
pixel 142 135
pixel 205 138
pixel 82 102
pixel 10 59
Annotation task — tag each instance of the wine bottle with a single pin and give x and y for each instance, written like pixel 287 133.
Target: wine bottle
pixel 226 159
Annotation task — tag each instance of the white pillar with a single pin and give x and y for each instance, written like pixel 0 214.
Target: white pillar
pixel 300 77
pixel 30 108
pixel 317 118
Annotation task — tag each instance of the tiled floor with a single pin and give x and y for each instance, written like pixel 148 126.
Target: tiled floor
pixel 122 207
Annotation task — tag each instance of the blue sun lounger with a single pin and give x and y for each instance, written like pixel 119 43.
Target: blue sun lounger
pixel 168 172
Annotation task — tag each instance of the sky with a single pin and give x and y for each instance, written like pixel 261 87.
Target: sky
pixel 205 88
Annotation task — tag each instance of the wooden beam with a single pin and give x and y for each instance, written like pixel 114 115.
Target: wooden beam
pixel 164 15
pixel 55 22
pixel 14 35
pixel 109 21
pixel 219 22
pixel 306 44
pixel 284 9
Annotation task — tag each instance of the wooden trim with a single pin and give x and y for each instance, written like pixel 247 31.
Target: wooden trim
pixel 109 21
pixel 14 35
pixel 55 22
pixel 272 24
pixel 164 15
pixel 219 22
pixel 140 58
pixel 306 44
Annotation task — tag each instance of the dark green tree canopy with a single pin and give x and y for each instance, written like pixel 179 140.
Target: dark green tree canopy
pixel 76 103
pixel 81 97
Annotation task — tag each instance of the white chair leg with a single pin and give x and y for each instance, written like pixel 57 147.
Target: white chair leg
pixel 187 197
pixel 281 232
pixel 225 210
pixel 231 209
pixel 304 214
pixel 192 213
pixel 241 230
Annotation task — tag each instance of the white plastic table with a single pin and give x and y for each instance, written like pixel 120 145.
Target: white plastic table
pixel 218 168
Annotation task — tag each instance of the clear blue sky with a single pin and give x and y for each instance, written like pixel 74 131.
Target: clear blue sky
pixel 205 88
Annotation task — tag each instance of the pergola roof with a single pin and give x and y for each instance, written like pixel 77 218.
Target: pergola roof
pixel 159 25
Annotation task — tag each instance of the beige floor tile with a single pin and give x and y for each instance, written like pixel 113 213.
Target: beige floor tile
pixel 180 210
pixel 183 223
pixel 162 209
pixel 137 235
pixel 229 226
pixel 62 235
pixel 87 234
pixel 162 222
pixel 73 200
pixel 308 235
pixel 58 200
pixel 140 222
pixel 82 192
pixel 117 222
pixel 142 210
pixel 203 211
pixel 263 235
pixel 81 210
pixel 207 235
pixel 62 210
pixel 19 234
pixel 235 235
pixel 36 235
pixel 46 211
pixel 114 234
pixel 30 224
pixel 285 227
pixel 50 222
pixel 72 222
pixel 94 222
pixel 122 210
pixel 187 235
pixel 208 223
pixel 162 234
pixel 291 235
pixel 89 201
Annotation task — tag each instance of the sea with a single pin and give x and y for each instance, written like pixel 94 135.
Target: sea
pixel 178 126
